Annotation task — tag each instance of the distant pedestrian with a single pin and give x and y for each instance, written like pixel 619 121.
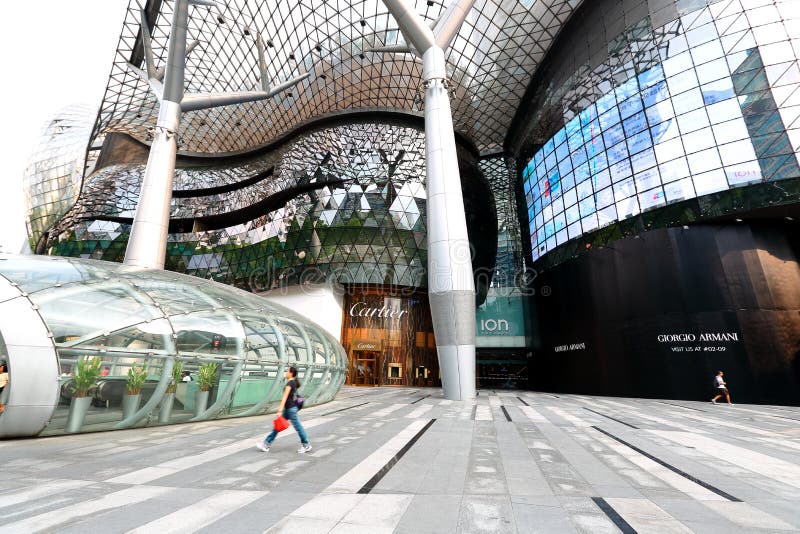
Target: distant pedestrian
pixel 3 384
pixel 288 408
pixel 720 389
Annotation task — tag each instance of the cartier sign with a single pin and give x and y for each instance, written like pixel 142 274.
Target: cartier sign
pixel 360 309
pixel 365 344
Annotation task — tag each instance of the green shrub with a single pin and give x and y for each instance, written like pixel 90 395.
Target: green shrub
pixel 88 369
pixel 206 375
pixel 176 377
pixel 136 377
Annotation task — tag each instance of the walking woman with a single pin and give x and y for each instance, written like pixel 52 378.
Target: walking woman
pixel 3 384
pixel 288 409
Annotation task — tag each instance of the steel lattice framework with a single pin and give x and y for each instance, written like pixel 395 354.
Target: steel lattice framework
pixel 490 65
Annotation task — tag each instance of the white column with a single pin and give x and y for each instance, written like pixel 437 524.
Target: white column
pixel 147 244
pixel 451 285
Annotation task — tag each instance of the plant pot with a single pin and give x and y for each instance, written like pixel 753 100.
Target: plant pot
pixel 130 405
pixel 200 402
pixel 165 412
pixel 77 413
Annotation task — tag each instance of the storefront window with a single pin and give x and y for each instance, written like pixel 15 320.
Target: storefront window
pixel 389 337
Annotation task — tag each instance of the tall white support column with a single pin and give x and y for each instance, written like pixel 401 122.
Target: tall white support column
pixel 451 286
pixel 148 238
pixel 147 243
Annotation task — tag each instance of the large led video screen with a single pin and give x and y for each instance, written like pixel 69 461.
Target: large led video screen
pixel 713 109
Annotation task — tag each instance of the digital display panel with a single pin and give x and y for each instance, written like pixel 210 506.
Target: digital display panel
pixel 688 126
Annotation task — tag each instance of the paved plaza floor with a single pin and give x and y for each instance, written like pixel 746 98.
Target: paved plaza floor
pixel 405 460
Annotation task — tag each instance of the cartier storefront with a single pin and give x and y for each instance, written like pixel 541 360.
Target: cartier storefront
pixel 388 336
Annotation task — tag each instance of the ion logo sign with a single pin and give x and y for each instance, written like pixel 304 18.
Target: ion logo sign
pixel 492 325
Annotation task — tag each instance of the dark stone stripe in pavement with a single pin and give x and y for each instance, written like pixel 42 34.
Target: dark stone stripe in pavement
pixel 370 485
pixel 680 406
pixel 612 514
pixel 343 409
pixel 672 468
pixel 612 418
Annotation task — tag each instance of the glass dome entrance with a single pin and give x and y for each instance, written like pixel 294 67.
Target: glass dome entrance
pixel 205 350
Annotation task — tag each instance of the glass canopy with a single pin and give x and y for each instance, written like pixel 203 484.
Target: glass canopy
pixel 490 65
pixel 176 327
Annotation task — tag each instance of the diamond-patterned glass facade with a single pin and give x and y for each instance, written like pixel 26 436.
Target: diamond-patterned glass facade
pixel 230 219
pixel 490 64
pixel 510 257
pixel 55 169
pixel 344 203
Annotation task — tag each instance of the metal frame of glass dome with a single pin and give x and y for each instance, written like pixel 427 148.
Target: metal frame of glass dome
pixel 489 66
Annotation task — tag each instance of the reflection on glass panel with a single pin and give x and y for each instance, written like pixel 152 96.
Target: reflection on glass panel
pixel 30 280
pixel 148 337
pixel 79 310
pixel 214 333
pixel 628 208
pixel 174 299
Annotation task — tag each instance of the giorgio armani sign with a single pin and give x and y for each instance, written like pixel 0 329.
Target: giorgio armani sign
pixel 706 336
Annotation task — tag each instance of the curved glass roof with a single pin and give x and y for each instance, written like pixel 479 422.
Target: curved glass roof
pixel 490 65
pixel 83 301
pixel 57 311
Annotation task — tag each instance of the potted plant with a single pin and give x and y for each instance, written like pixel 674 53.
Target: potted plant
pixel 206 376
pixel 137 374
pixel 86 373
pixel 168 401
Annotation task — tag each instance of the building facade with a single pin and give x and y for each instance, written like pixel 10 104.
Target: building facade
pixel 629 167
pixel 659 149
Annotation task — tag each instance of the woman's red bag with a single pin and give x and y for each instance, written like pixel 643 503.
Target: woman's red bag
pixel 280 424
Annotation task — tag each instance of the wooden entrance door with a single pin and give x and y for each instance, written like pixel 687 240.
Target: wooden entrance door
pixel 365 372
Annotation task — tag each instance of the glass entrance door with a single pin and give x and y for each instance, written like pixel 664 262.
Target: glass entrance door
pixel 365 372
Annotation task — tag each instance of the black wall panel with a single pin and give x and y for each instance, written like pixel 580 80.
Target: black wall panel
pixel 734 287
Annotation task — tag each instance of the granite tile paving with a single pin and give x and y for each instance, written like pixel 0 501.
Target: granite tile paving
pixel 409 461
